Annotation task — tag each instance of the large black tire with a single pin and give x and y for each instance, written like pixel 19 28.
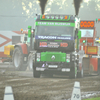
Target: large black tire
pixel 18 60
pixel 31 60
pixel 73 72
pixel 81 73
pixel 36 74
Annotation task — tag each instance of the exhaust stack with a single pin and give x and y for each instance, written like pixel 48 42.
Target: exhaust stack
pixel 77 6
pixel 42 5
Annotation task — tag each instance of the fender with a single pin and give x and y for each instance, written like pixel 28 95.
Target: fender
pixel 94 63
pixel 23 47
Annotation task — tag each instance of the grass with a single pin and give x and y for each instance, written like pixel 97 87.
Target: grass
pixel 97 98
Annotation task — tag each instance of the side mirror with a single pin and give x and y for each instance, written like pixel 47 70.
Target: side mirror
pixel 33 32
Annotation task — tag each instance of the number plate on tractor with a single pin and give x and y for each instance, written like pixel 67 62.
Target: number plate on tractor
pixel 53 66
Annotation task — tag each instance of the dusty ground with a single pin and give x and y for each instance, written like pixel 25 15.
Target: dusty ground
pixel 25 87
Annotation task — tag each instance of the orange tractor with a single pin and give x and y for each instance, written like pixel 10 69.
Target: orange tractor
pixel 90 61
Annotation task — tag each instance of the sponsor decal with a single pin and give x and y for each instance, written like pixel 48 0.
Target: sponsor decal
pixel 55 24
pixel 63 45
pixel 54 37
pixel 52 44
pixel 92 50
pixel 43 44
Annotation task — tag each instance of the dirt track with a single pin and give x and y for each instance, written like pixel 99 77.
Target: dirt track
pixel 25 87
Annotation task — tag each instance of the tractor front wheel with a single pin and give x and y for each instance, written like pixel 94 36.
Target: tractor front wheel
pixel 73 72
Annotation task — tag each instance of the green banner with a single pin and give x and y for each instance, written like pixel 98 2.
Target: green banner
pixel 55 24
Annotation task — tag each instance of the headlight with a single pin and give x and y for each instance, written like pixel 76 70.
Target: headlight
pixel 67 60
pixel 76 55
pixel 68 56
pixel 38 57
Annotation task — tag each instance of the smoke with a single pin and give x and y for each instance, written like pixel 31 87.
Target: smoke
pixel 77 5
pixel 42 5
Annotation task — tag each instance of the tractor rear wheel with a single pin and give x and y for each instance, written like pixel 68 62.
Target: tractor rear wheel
pixel 81 73
pixel 18 60
pixel 36 74
pixel 73 72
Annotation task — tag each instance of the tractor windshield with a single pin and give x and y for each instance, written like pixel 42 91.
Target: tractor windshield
pixel 55 30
